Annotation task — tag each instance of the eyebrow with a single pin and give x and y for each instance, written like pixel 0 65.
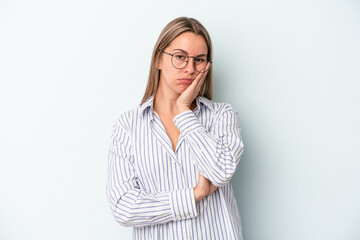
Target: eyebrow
pixel 188 53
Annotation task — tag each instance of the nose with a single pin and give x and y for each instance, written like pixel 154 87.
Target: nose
pixel 190 67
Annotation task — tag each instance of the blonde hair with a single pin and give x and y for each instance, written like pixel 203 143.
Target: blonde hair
pixel 167 35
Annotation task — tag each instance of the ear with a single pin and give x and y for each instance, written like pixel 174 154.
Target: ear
pixel 159 63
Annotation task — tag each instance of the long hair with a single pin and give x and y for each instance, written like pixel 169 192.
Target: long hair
pixel 167 35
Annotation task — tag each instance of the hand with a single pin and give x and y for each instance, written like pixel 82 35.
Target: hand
pixel 203 188
pixel 190 93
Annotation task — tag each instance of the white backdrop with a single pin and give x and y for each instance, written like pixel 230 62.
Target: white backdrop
pixel 290 68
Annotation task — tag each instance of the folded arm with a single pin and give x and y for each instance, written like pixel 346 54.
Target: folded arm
pixel 130 204
pixel 216 153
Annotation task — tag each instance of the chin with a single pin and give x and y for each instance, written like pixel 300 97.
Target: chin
pixel 182 88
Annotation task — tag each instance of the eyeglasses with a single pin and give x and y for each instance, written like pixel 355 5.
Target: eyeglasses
pixel 180 60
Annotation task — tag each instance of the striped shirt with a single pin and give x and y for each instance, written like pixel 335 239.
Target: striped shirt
pixel 150 186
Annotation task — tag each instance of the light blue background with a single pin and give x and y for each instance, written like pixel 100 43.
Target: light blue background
pixel 290 68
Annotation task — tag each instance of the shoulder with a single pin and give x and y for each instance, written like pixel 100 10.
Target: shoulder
pixel 217 108
pixel 224 117
pixel 127 118
pixel 132 117
pixel 220 112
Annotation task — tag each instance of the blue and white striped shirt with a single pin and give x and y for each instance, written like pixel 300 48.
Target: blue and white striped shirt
pixel 150 186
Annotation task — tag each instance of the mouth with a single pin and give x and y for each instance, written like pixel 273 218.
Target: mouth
pixel 186 80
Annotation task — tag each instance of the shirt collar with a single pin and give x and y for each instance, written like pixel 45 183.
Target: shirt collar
pixel 148 104
pixel 200 101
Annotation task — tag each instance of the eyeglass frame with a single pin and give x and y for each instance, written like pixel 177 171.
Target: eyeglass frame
pixel 172 54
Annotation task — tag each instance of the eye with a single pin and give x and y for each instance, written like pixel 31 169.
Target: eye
pixel 200 60
pixel 180 56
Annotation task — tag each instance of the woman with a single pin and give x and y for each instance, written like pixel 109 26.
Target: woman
pixel 172 157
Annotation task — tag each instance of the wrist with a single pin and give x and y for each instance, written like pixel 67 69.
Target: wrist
pixel 183 108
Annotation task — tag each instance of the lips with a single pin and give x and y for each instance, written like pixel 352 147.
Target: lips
pixel 186 80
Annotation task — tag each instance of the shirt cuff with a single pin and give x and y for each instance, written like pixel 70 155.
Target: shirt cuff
pixel 187 122
pixel 183 204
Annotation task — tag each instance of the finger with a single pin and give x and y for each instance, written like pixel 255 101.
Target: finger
pixel 206 68
pixel 200 82
pixel 203 79
pixel 213 190
pixel 197 80
pixel 197 83
pixel 213 187
pixel 202 75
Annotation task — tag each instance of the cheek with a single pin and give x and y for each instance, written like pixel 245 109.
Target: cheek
pixel 170 73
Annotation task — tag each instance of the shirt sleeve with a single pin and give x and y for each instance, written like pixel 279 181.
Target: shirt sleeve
pixel 216 153
pixel 130 204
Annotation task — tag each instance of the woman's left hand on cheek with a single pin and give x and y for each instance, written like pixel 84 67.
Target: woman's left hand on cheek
pixel 190 93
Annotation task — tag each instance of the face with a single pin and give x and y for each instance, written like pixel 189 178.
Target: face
pixel 173 80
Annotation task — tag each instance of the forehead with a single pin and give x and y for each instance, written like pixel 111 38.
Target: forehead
pixel 193 44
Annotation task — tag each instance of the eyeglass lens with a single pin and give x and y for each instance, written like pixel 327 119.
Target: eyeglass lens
pixel 180 60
